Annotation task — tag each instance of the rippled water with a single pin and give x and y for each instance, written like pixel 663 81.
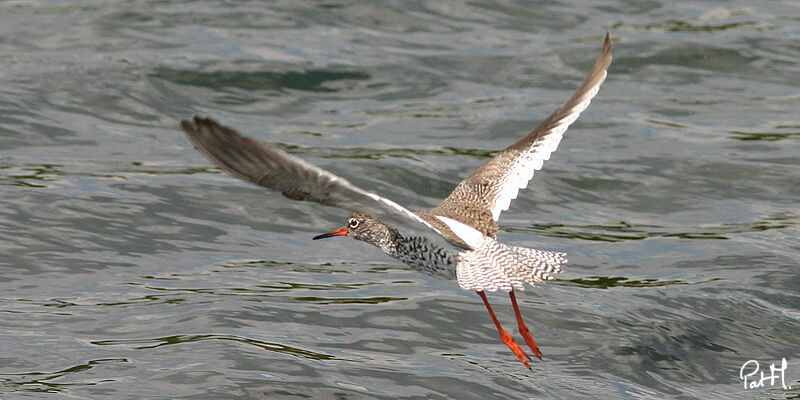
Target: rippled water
pixel 131 268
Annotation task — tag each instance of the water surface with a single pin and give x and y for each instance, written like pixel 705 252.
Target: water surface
pixel 131 268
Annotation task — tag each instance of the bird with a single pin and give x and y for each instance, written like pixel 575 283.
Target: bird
pixel 455 240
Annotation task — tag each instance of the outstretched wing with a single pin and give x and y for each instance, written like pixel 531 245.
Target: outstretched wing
pixel 273 168
pixel 481 197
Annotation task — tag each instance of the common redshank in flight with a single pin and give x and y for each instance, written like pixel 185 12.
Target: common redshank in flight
pixel 455 240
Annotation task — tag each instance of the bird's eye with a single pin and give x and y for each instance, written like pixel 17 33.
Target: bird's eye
pixel 352 223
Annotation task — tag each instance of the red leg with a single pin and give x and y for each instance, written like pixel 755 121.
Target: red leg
pixel 523 330
pixel 504 336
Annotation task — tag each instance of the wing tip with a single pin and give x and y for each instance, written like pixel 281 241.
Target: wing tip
pixel 188 128
pixel 199 122
pixel 608 44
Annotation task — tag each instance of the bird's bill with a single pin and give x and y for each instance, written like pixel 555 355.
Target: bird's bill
pixel 337 232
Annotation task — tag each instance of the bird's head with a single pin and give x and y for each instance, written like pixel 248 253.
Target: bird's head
pixel 361 227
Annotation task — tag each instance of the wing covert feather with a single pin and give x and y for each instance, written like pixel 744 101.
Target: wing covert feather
pixel 488 191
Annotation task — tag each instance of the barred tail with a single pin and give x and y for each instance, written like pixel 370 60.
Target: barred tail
pixel 494 266
pixel 534 265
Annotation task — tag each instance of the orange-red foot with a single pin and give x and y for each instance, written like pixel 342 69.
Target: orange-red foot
pixel 504 336
pixel 515 348
pixel 523 330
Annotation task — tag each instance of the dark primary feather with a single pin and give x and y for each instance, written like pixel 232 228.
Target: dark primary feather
pixel 273 168
pixel 480 198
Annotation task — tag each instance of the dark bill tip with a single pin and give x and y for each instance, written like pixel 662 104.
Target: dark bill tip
pixel 338 232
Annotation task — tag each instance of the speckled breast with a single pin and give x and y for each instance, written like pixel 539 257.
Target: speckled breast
pixel 421 255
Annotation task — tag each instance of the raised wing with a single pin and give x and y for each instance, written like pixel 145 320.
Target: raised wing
pixel 480 198
pixel 273 168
